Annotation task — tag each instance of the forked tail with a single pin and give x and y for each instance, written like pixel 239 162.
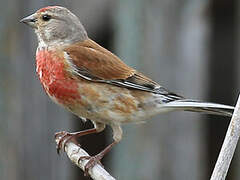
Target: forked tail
pixel 198 106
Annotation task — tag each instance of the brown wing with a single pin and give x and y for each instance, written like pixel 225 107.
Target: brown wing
pixel 95 63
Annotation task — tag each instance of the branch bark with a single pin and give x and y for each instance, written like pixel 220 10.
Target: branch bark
pixel 74 152
pixel 229 146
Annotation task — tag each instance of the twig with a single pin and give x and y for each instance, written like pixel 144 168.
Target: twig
pixel 229 146
pixel 74 152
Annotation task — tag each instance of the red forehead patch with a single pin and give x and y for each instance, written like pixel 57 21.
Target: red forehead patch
pixel 46 8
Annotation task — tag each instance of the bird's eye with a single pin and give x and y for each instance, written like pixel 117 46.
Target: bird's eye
pixel 46 17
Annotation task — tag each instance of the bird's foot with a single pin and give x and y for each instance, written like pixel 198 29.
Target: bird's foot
pixel 64 137
pixel 92 161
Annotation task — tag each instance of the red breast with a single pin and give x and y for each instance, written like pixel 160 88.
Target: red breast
pixel 54 78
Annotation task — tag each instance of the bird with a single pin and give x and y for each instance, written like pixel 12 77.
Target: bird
pixel 93 83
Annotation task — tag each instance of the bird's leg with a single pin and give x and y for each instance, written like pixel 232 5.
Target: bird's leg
pixel 95 159
pixel 66 136
pixel 117 136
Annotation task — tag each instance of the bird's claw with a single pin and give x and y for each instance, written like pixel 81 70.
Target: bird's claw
pixel 64 137
pixel 92 161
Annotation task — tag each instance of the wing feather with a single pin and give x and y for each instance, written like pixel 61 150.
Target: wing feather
pixel 98 62
pixel 95 63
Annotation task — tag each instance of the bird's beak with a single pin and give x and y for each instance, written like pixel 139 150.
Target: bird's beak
pixel 30 20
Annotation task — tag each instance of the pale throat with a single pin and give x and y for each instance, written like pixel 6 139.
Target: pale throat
pixel 43 43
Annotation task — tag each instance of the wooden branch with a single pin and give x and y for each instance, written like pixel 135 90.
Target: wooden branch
pixel 74 152
pixel 229 146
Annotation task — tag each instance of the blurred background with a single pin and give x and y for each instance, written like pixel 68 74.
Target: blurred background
pixel 189 46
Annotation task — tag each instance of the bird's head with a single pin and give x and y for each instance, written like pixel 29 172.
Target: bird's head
pixel 56 25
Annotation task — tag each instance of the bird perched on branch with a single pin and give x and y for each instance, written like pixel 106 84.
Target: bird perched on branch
pixel 91 82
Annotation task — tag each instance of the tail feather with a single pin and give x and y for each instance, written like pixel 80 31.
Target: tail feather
pixel 198 106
